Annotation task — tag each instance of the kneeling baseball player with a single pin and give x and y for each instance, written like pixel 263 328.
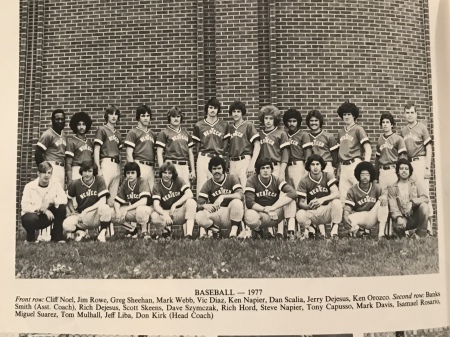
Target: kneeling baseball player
pixel 366 205
pixel 220 201
pixel 173 202
pixel 319 199
pixel 266 207
pixel 90 193
pixel 131 204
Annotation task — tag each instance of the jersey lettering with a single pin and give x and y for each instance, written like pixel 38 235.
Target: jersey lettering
pixel 132 196
pixel 293 142
pixel 318 143
pixel 386 146
pixel 88 193
pixel 237 134
pixel 268 141
pixel 85 148
pixel 318 189
pixel 346 137
pixel 170 195
pixel 367 199
pixel 180 137
pixel 146 137
pixel 266 193
pixel 114 138
pixel 412 136
pixel 212 132
pixel 221 191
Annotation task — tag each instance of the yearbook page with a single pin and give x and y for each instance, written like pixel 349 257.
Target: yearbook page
pixel 225 168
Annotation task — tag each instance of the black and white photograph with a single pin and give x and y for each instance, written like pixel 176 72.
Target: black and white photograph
pixel 225 139
pixel 432 332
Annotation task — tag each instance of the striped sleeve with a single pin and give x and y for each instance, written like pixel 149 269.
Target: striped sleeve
pixel 99 136
pixel 161 139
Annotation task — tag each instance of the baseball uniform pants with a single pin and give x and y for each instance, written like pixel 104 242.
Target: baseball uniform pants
pixel 179 216
pixel 88 220
pixel 76 173
pixel 368 219
pixel 111 175
pixel 223 217
pixel 239 168
pixel 347 178
pixel 417 220
pixel 139 215
pixel 329 168
pixel 33 221
pixel 203 173
pixel 58 173
pixel 387 177
pixel 147 173
pixel 255 220
pixel 295 173
pixel 321 216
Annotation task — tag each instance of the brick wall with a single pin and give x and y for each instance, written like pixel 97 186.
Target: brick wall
pixel 84 54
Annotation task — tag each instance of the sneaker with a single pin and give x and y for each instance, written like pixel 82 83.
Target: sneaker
pixel 335 237
pixel 279 236
pixel 216 235
pixel 257 234
pixel 319 237
pixel 304 237
pixel 145 235
pixel 291 236
pixel 62 241
pixel 383 237
pixel 245 234
pixel 167 233
pixel 188 237
pixel 366 236
pixel 311 236
pixel 79 235
pixel 101 237
pixel 269 236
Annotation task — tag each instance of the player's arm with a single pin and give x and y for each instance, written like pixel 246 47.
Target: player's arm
pixel 70 206
pixel 187 194
pixel 334 194
pixel 334 150
pixel 141 202
pixel 302 204
pixel 377 168
pixel 367 151
pixel 97 156
pixel 192 174
pixel 27 204
pixel 335 156
pixel 394 209
pixel 429 151
pixel 203 205
pixel 101 201
pixel 346 215
pixel 285 153
pixel 129 154
pixel 39 155
pixel 283 200
pixel 159 155
pixel 421 195
pixel 255 155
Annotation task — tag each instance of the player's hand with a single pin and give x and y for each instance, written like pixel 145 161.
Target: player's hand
pixel 167 219
pixel 347 223
pixel 49 215
pixel 268 209
pixel 218 202
pixel 315 203
pixel 427 173
pixel 192 175
pixel 383 200
pixel 273 215
pixel 209 207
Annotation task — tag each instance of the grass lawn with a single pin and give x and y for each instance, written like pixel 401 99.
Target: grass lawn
pixel 127 258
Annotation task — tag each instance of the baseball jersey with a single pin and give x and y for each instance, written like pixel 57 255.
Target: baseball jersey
pixel 132 193
pixel 211 136
pixel 310 188
pixel 390 148
pixel 242 138
pixel 211 190
pixel 267 194
pixel 87 195
pixel 143 143
pixel 176 143
pixel 299 143
pixel 80 150
pixel 416 139
pixel 323 144
pixel 54 145
pixel 272 143
pixel 167 196
pixel 362 201
pixel 351 141
pixel 110 142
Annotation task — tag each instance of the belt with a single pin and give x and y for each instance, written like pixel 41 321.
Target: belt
pixel 350 161
pixel 237 158
pixel 59 163
pixel 148 163
pixel 210 155
pixel 178 162
pixel 417 158
pixel 114 160
pixel 387 167
pixel 295 162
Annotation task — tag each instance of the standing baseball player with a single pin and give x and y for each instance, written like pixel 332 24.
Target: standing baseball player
pixel 211 135
pixel 51 146
pixel 300 148
pixel 90 192
pixel 140 144
pixel 390 147
pixel 132 202
pixel 43 204
pixel 419 149
pixel 269 200
pixel 366 205
pixel 318 199
pixel 353 142
pixel 173 202
pixel 220 201
pixel 275 145
pixel 176 144
pixel 323 143
pixel 78 148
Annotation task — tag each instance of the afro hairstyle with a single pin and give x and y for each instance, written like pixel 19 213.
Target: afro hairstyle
pixel 80 117
pixel 348 107
pixel 365 166
pixel 292 113
pixel 270 110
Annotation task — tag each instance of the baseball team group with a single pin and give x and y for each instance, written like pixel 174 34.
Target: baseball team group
pixel 274 183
